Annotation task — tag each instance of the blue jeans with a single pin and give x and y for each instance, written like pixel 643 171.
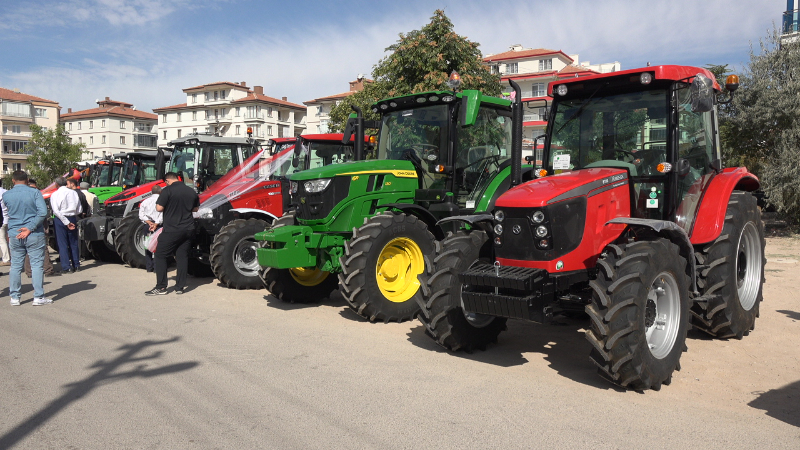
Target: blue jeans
pixel 33 246
pixel 68 244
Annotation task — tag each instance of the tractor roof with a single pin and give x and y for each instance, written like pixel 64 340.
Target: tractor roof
pixel 208 139
pixel 669 72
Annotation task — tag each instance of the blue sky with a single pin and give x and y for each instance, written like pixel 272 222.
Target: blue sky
pixel 146 51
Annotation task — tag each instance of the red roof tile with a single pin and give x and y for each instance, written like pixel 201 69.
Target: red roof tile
pixel 519 54
pixel 106 112
pixel 217 83
pixel 165 108
pixel 8 94
pixel 252 97
pixel 331 97
pixel 576 69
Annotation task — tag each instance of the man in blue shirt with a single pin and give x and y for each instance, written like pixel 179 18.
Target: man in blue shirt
pixel 26 214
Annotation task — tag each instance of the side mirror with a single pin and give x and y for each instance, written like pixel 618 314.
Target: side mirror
pixel 298 146
pixel 205 157
pixel 702 94
pixel 683 167
pixel 296 162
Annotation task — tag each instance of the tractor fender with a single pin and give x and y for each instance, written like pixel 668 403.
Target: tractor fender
pixel 482 221
pixel 253 212
pixel 711 212
pixel 421 214
pixel 674 233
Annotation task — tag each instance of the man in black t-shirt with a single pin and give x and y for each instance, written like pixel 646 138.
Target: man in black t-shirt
pixel 177 201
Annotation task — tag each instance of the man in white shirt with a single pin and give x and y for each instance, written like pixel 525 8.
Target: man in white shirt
pixel 94 204
pixel 66 206
pixel 152 219
pixel 5 254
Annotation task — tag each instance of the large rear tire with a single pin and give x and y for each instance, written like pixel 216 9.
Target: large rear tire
pixel 443 314
pixel 381 266
pixel 100 251
pixel 639 313
pixel 233 254
pixel 129 239
pixel 731 272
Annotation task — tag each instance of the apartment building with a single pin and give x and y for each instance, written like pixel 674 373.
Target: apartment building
pixel 112 127
pixel 228 109
pixel 319 109
pixel 790 29
pixel 533 70
pixel 18 112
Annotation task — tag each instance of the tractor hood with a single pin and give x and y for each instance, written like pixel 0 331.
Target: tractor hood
pixel 555 188
pixel 133 192
pixel 403 169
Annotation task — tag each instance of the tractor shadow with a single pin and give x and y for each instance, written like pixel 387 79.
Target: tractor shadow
pixel 561 343
pixel 334 301
pixel 782 403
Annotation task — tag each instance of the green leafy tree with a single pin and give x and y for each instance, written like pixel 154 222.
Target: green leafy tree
pixel 764 132
pixel 421 60
pixel 52 153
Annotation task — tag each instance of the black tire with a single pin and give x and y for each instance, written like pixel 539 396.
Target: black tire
pixel 100 252
pixel 382 235
pixel 640 287
pixel 442 313
pixel 284 284
pixel 731 272
pixel 233 254
pixel 129 240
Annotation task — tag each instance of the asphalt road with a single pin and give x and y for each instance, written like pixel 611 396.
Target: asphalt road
pixel 106 367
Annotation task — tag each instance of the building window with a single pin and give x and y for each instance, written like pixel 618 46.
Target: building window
pixel 545 64
pixel 194 115
pixel 179 132
pixel 237 130
pixel 122 140
pixel 269 130
pixel 79 125
pixel 495 68
pixel 194 130
pixel 80 140
pixel 103 140
pixel 216 95
pixel 222 95
pixel 208 96
pixel 165 134
pixel 512 68
pixel 70 126
pixel 163 118
pixel 269 112
pixel 41 112
pixel 538 90
pixel 179 117
pixel 103 123
pixel 194 98
pixel 91 140
pixel 207 114
pixel 121 124
pixel 237 113
pixel 91 124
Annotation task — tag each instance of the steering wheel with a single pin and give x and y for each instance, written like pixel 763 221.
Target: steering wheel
pixel 429 152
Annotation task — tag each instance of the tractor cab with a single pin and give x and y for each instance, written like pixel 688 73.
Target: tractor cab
pixel 202 159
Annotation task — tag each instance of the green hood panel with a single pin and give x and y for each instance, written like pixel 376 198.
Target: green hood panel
pixel 400 168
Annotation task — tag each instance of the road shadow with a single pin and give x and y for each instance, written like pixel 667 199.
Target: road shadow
pixel 790 314
pixel 69 289
pixel 106 372
pixel 561 342
pixel 335 300
pixel 782 403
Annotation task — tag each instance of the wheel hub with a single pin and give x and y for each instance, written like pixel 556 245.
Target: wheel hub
pixel 308 276
pixel 662 315
pixel 748 266
pixel 244 257
pixel 399 264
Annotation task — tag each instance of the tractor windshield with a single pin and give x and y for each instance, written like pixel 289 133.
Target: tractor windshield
pixel 420 132
pixel 625 130
pixel 318 154
pixel 183 162
pixel 481 151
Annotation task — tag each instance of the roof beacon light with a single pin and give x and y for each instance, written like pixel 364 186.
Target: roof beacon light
pixel 646 78
pixel 732 83
pixel 561 90
pixel 249 131
pixel 455 81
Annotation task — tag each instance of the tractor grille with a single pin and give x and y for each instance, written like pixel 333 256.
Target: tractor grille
pixel 564 220
pixel 116 209
pixel 317 206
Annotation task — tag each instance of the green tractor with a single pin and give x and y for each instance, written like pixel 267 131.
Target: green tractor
pixel 372 221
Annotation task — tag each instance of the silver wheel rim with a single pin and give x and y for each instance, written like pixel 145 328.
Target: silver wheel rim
pixel 139 237
pixel 748 266
pixel 662 315
pixel 244 257
pixel 474 319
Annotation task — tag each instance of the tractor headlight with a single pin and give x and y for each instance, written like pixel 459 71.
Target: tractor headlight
pixel 541 231
pixel 537 217
pixel 561 89
pixel 499 215
pixel 205 213
pixel 293 187
pixel 498 230
pixel 316 186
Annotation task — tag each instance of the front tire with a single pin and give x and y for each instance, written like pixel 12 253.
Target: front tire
pixel 129 240
pixel 639 313
pixel 233 254
pixel 731 272
pixel 381 266
pixel 443 314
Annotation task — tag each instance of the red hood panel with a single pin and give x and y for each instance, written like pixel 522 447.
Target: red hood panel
pixel 538 193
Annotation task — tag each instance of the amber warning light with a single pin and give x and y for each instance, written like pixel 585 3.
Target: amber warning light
pixel 249 131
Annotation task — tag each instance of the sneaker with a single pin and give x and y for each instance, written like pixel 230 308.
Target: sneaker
pixel 156 291
pixel 14 302
pixel 181 290
pixel 42 301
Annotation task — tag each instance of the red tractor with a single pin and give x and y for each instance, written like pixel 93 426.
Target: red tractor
pixel 631 219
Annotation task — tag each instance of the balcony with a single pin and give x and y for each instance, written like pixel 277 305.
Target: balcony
pixel 219 119
pixel 16 117
pixel 15 135
pixel 144 129
pixel 253 117
pixel 16 154
pixel 791 22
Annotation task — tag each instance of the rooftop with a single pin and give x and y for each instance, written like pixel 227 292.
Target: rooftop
pixel 16 96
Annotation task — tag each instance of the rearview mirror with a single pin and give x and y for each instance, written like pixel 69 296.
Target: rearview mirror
pixel 702 94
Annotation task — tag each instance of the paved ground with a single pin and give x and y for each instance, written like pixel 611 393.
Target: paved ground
pixel 107 367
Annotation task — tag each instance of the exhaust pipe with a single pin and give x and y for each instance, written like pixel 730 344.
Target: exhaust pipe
pixel 516 135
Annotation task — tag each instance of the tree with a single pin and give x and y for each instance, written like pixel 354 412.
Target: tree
pixel 764 132
pixel 421 60
pixel 52 153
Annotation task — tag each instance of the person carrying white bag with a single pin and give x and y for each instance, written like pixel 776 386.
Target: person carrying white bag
pixel 152 220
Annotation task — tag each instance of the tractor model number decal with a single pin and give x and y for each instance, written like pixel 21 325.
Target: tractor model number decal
pixel 233 194
pixel 397 173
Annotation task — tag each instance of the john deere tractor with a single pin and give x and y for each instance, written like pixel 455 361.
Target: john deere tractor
pixel 371 224
pixel 632 219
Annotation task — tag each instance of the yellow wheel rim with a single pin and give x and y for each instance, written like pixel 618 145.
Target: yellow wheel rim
pixel 308 276
pixel 399 264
